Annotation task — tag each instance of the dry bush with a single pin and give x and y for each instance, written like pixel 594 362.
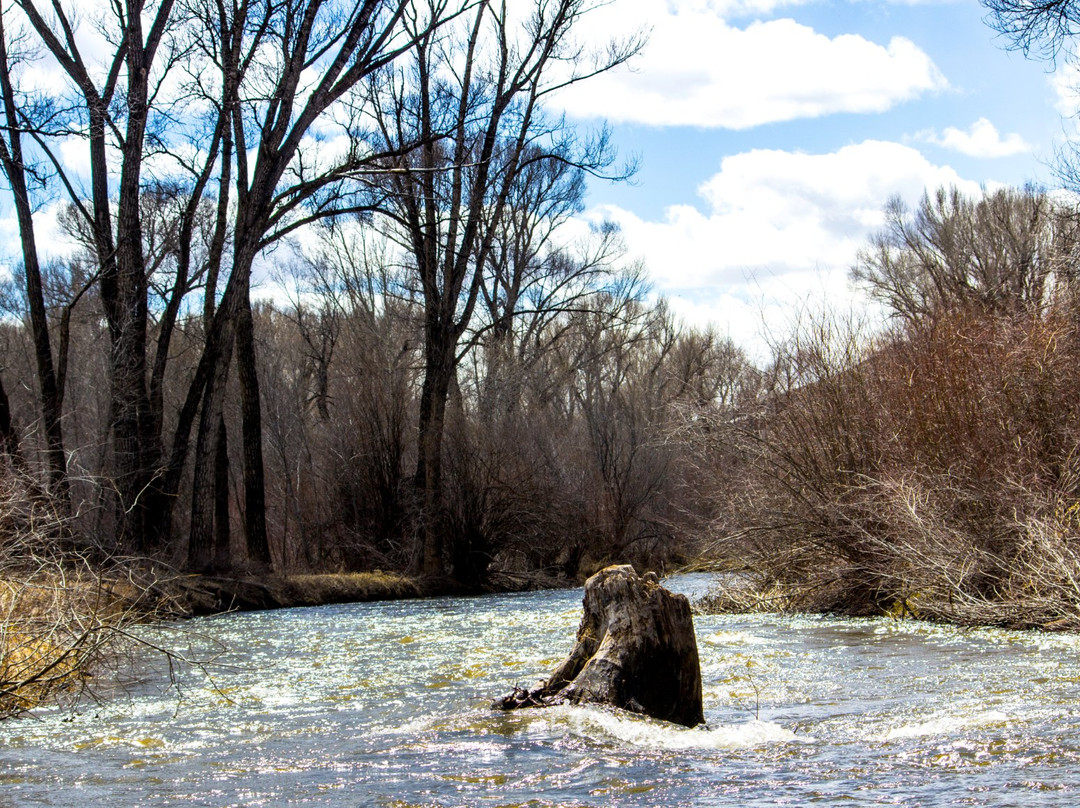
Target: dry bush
pixel 926 472
pixel 67 616
pixel 54 614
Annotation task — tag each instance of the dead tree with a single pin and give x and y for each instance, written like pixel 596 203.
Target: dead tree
pixel 325 52
pixel 636 650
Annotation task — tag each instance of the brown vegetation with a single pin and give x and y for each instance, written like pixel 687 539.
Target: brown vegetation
pixel 930 470
pixel 65 613
pixel 413 405
pixel 456 388
pixel 201 594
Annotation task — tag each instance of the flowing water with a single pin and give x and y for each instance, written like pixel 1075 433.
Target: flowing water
pixel 386 704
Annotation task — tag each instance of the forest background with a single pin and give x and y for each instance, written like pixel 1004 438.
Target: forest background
pixel 461 382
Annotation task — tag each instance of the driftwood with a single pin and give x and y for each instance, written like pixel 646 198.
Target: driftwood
pixel 636 650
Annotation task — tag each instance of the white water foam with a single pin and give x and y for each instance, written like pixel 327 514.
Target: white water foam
pixel 948 723
pixel 726 639
pixel 649 734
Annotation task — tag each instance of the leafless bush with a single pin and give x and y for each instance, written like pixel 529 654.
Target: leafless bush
pixel 66 616
pixel 929 471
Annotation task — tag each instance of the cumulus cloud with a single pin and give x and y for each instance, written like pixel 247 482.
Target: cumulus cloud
pixel 699 70
pixel 733 9
pixel 775 229
pixel 1066 85
pixel 52 240
pixel 981 140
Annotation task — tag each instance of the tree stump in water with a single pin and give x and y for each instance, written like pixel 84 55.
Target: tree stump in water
pixel 636 650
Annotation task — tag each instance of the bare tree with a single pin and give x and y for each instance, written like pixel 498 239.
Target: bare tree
pixel 534 273
pixel 1043 27
pixel 323 52
pixel 1047 30
pixel 473 96
pixel 1002 252
pixel 14 164
pixel 111 105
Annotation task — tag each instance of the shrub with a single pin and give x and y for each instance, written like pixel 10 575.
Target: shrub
pixel 932 470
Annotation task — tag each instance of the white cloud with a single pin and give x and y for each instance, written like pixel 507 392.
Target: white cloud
pixel 981 140
pixel 1066 84
pixel 732 9
pixel 777 229
pixel 698 70
pixel 75 156
pixel 52 240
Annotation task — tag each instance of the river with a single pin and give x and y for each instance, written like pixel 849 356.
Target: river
pixel 386 704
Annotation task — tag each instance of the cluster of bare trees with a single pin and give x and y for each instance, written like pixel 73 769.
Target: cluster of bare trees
pixel 1007 251
pixel 456 377
pixel 931 468
pixel 561 443
pixel 453 382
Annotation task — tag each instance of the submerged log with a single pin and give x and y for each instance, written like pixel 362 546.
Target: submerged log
pixel 636 650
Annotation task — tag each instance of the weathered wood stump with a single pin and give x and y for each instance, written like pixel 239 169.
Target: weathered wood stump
pixel 636 650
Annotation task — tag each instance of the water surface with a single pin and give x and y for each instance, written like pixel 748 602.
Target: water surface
pixel 386 704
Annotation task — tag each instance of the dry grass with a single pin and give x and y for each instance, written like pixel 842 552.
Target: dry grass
pixel 353 587
pixel 65 613
pixel 201 595
pixel 48 638
pixel 62 622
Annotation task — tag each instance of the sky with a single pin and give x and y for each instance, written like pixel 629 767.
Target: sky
pixel 770 134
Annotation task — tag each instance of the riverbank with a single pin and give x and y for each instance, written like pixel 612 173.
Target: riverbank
pixel 200 595
pixel 839 593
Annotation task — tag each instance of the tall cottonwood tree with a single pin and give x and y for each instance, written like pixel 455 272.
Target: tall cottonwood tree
pixel 279 79
pixel 127 107
pixel 290 74
pixel 13 162
pixel 109 103
pixel 473 97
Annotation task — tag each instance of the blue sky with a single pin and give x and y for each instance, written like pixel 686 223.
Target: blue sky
pixel 771 133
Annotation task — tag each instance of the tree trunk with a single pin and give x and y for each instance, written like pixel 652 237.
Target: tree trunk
pixel 9 436
pixel 11 156
pixel 202 553
pixel 135 454
pixel 438 374
pixel 257 542
pixel 222 550
pixel 636 650
pixel 133 460
pixel 231 328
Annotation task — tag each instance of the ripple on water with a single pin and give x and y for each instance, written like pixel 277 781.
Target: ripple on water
pixel 387 704
pixel 951 722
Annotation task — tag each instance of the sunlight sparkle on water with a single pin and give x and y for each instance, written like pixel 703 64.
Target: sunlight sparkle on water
pixel 388 704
